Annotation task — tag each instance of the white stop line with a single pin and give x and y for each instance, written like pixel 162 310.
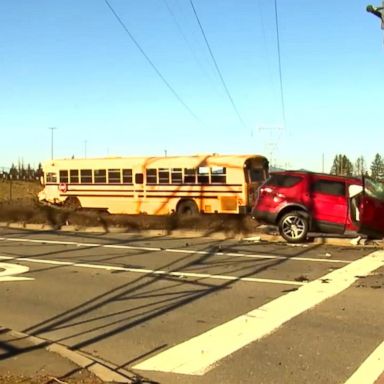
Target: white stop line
pixel 8 272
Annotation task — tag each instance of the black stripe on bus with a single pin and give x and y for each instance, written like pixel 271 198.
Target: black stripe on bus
pixel 92 195
pixel 191 191
pixel 148 197
pixel 151 185
pixel 179 197
pixel 103 190
pixel 79 191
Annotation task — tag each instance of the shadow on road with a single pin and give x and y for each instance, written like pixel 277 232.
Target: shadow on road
pixel 143 298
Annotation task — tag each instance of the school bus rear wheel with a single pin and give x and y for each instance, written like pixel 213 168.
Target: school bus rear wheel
pixel 187 208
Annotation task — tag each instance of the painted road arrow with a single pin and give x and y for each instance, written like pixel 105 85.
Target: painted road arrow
pixel 9 271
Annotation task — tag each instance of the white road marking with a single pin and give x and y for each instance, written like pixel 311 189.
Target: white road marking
pixel 371 369
pixel 175 250
pixel 199 354
pixel 179 274
pixel 8 272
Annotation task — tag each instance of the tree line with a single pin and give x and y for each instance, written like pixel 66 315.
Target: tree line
pixel 343 166
pixel 22 172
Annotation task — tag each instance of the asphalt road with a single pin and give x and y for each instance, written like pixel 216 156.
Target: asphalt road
pixel 198 310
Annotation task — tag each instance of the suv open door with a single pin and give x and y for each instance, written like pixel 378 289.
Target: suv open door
pixel 371 208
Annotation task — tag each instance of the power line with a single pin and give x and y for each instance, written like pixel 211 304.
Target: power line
pixel 188 43
pixel 151 63
pixel 217 67
pixel 279 61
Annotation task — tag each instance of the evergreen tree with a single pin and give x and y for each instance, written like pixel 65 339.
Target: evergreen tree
pixel 13 172
pixel 377 168
pixel 39 171
pixel 29 172
pixel 342 166
pixel 360 166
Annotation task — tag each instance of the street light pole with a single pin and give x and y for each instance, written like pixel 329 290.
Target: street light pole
pixel 52 129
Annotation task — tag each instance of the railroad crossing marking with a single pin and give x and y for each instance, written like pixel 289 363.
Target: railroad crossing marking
pixel 199 354
pixel 8 272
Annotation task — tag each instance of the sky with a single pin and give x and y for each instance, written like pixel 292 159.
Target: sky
pixel 70 65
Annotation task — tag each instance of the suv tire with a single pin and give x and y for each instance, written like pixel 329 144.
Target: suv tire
pixel 294 226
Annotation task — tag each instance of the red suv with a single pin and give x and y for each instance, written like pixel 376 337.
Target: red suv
pixel 299 202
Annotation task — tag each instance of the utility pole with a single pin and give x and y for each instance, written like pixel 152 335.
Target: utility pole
pixel 377 11
pixel 52 129
pixel 322 162
pixel 272 145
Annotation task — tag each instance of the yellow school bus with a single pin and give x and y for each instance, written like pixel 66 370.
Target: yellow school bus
pixel 156 185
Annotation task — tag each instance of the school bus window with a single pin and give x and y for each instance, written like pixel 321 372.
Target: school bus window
pixel 152 176
pixel 114 176
pixel 63 176
pixel 74 176
pixel 189 175
pixel 86 175
pixel 203 175
pixel 127 176
pixel 51 177
pixel 218 175
pixel 176 175
pixel 139 178
pixel 163 175
pixel 100 175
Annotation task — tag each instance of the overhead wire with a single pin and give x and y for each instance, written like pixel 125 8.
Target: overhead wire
pixel 217 67
pixel 282 98
pixel 279 64
pixel 151 63
pixel 188 44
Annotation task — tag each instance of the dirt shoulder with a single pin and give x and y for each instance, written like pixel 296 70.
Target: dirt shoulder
pixel 28 211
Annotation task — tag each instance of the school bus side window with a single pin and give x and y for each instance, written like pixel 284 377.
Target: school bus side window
pixel 152 176
pixel 190 175
pixel 63 176
pixel 114 176
pixel 100 176
pixel 176 175
pixel 74 176
pixel 86 175
pixel 127 176
pixel 139 178
pixel 51 177
pixel 218 175
pixel 163 176
pixel 203 175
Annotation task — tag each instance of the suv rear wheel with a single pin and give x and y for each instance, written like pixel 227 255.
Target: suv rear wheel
pixel 294 226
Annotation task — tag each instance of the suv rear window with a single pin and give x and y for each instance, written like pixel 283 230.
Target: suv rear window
pixel 284 181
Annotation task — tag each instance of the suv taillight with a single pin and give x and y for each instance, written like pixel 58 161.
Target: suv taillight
pixel 277 197
pixel 265 190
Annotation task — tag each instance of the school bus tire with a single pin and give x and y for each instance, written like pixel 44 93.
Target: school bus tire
pixel 187 208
